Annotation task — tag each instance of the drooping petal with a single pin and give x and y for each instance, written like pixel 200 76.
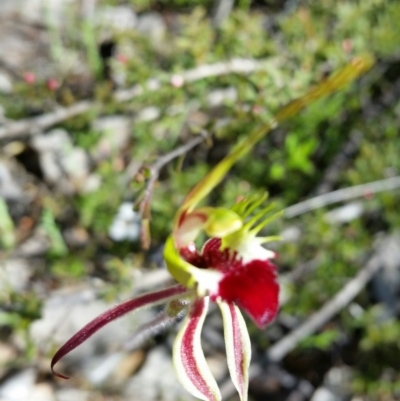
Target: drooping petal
pixel 238 347
pixel 189 361
pixel 112 314
pixel 254 288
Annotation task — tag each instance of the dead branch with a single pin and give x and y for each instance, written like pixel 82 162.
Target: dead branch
pixel 154 174
pixel 280 349
pixel 341 195
pixel 35 125
pixel 234 66
pixel 31 126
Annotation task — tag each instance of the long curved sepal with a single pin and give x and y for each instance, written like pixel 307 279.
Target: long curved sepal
pixel 189 222
pixel 189 361
pixel 351 71
pixel 114 313
pixel 238 347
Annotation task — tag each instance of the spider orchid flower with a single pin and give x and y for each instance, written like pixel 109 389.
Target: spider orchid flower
pixel 232 268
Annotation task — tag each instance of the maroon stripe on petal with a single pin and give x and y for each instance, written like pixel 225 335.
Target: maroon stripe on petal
pixel 238 349
pixel 188 352
pixel 112 314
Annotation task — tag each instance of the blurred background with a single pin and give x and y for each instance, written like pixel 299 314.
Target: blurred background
pixel 94 97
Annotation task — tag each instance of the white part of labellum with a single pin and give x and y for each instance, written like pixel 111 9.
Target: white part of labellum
pixel 189 361
pixel 238 347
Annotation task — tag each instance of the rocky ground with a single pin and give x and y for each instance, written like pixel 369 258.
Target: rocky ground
pixel 94 93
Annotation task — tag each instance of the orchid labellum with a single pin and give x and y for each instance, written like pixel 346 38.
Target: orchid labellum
pixel 232 268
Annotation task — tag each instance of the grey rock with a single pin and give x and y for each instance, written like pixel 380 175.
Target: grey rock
pixel 9 187
pixel 291 234
pixel 42 392
pixel 221 11
pixel 50 166
pixel 153 26
pixel 119 18
pixel 156 379
pixel 64 315
pixel 336 386
pixel 36 245
pixel 219 96
pixel 302 392
pixel 92 183
pixel 9 6
pixel 98 369
pixel 324 394
pixel 386 284
pixel 52 147
pixel 42 11
pixel 273 377
pixel 64 164
pixel 339 378
pixel 56 140
pixel 346 213
pixel 116 131
pixel 18 49
pixel 76 163
pixel 3 118
pixel 15 274
pixel 8 354
pixel 18 387
pixel 6 85
pixel 72 394
pixel 148 114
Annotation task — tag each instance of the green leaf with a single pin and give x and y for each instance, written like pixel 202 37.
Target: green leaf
pixel 49 225
pixel 7 235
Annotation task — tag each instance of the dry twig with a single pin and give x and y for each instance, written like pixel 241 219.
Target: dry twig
pixel 35 125
pixel 32 126
pixel 154 174
pixel 280 349
pixel 234 66
pixel 387 248
pixel 342 195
